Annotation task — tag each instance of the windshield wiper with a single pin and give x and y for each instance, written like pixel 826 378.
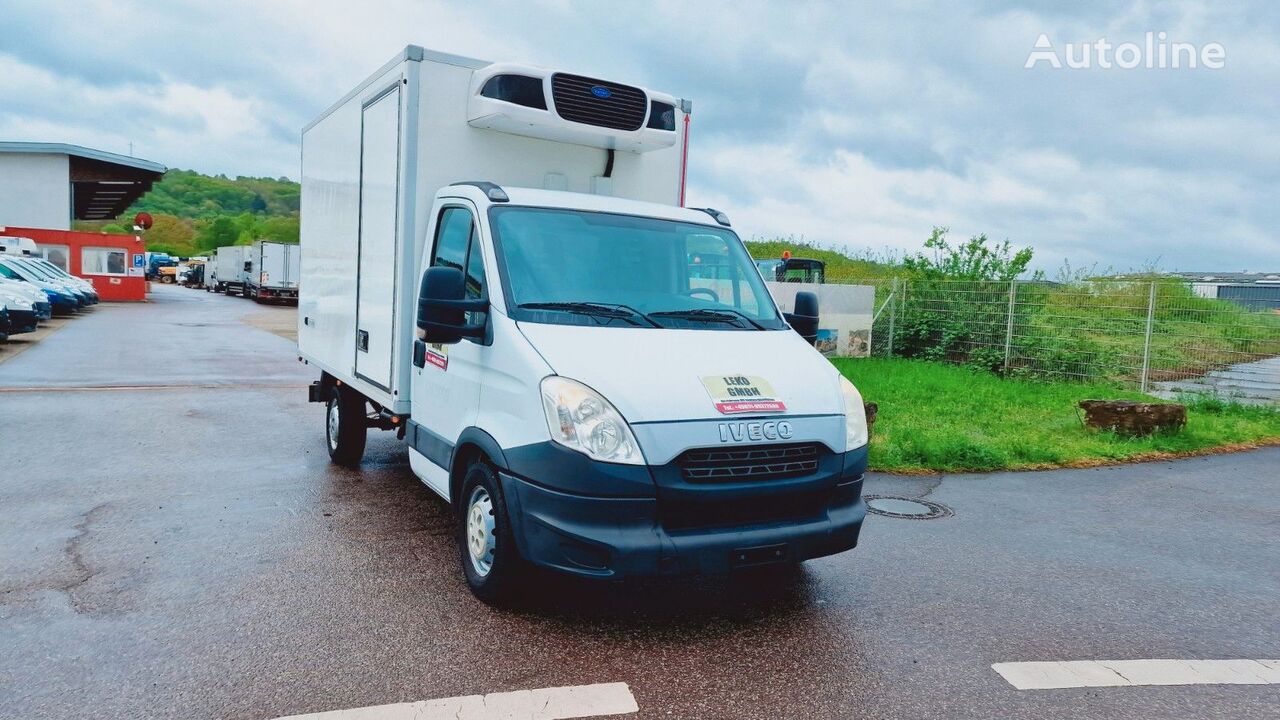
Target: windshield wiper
pixel 726 316
pixel 601 310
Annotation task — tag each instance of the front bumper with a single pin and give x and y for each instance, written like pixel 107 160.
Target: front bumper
pixel 44 310
pixel 607 537
pixel 64 304
pixel 19 322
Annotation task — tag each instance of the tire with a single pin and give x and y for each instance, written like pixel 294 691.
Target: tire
pixel 490 560
pixel 344 428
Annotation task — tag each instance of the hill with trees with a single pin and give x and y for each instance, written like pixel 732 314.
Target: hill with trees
pixel 195 213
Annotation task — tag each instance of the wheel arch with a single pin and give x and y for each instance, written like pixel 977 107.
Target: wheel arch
pixel 472 443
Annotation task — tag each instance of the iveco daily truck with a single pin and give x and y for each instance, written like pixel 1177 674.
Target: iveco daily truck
pixel 496 264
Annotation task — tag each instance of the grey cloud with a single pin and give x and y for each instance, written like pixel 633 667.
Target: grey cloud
pixel 923 111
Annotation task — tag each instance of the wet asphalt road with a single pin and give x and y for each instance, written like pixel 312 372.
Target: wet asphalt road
pixel 179 546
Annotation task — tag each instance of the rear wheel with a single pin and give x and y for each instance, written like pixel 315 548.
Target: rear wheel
pixel 490 560
pixel 345 428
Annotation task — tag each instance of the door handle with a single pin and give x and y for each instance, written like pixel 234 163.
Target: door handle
pixel 419 354
pixel 362 340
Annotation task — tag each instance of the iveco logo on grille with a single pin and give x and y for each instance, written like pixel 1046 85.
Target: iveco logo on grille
pixel 755 431
pixel 601 92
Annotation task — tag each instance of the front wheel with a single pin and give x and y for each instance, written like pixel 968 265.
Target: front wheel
pixel 490 560
pixel 345 428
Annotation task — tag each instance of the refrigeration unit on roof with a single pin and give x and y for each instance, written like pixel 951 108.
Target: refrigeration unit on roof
pixel 552 105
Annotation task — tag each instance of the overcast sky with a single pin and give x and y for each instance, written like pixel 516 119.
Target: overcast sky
pixel 850 124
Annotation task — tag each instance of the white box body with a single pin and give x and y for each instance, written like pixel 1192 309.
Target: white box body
pixel 371 167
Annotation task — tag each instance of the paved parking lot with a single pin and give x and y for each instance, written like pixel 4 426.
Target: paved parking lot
pixel 176 544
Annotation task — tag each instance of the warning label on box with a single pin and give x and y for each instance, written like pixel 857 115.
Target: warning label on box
pixel 735 394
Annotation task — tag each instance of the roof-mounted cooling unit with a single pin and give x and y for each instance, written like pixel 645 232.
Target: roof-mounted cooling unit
pixel 537 102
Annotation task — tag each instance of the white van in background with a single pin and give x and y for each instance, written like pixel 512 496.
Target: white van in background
pixel 496 264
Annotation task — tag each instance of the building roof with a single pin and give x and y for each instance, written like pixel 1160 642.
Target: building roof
pixel 1233 278
pixel 80 151
pixel 103 184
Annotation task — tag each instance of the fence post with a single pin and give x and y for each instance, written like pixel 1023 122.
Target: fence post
pixel 1146 345
pixel 1008 331
pixel 893 313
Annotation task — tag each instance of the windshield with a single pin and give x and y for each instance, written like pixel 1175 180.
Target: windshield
pixel 12 269
pixel 576 267
pixel 53 270
pixel 35 270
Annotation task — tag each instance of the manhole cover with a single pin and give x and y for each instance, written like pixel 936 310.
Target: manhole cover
pixel 906 508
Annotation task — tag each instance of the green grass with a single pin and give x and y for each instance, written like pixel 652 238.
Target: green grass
pixel 840 266
pixel 941 417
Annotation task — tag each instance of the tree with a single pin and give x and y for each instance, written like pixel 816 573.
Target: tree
pixel 974 259
pixel 217 232
pixel 170 230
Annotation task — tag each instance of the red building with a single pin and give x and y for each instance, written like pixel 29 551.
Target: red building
pixel 44 187
pixel 113 262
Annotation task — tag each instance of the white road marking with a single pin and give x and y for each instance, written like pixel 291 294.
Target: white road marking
pixel 578 701
pixel 1122 673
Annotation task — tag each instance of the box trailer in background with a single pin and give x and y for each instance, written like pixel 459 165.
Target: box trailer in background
pixel 228 269
pixel 274 269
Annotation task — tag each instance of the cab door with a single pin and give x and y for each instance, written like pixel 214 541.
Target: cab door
pixel 446 378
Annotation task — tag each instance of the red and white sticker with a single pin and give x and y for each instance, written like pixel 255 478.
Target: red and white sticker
pixel 737 394
pixel 438 355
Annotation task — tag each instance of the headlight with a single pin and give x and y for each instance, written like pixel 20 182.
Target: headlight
pixel 580 419
pixel 855 416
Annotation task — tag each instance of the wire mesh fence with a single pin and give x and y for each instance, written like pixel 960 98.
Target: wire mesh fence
pixel 1160 337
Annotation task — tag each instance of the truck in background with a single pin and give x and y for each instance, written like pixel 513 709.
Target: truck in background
pixel 157 261
pixel 793 269
pixel 500 268
pixel 273 272
pixel 228 269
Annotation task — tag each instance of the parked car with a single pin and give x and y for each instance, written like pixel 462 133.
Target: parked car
pixel 83 285
pixel 74 285
pixel 563 376
pixel 38 298
pixel 63 299
pixel 20 316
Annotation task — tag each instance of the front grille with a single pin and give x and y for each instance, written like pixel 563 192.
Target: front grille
pixel 746 464
pixel 622 108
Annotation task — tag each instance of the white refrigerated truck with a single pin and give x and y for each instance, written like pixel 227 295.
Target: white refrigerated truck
pixel 228 269
pixel 496 263
pixel 273 271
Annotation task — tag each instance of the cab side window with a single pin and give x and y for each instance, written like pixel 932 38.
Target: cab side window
pixel 458 246
pixel 453 236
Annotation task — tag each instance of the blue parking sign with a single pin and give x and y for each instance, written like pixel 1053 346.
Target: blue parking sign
pixel 138 260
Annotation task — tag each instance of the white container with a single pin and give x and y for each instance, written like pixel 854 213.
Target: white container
pixel 372 163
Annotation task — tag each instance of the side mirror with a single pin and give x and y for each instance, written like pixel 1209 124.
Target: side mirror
pixel 805 318
pixel 442 307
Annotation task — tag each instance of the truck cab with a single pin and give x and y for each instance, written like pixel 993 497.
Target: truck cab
pixel 629 416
